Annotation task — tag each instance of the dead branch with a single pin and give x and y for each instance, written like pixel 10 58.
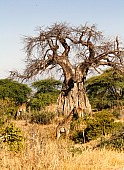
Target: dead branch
pixel 54 45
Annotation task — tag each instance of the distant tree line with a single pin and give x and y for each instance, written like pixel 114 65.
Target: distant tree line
pixel 104 91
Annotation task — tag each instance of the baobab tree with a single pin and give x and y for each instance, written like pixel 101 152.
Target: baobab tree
pixel 77 51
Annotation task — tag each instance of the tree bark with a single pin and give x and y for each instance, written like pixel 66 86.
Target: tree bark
pixel 73 92
pixel 77 98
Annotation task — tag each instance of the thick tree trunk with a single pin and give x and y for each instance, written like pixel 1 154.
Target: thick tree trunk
pixel 76 97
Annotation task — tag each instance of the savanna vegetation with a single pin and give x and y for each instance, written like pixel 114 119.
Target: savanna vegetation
pixel 33 145
pixel 12 94
pixel 96 139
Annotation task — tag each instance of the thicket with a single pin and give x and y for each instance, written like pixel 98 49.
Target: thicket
pixel 11 136
pixel 41 100
pixel 98 126
pixel 105 92
pixel 42 117
pixel 116 141
pixel 7 108
pixel 13 94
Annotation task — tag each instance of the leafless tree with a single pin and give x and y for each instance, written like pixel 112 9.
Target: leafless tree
pixel 76 50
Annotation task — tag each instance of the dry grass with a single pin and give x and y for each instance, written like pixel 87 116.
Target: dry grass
pixel 44 152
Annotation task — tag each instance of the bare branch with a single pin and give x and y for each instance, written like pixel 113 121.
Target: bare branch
pixel 60 43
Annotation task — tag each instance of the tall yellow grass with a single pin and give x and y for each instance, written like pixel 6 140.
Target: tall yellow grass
pixel 44 152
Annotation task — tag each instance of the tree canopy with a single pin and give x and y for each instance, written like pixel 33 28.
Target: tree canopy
pixel 47 85
pixel 106 89
pixel 47 92
pixel 14 90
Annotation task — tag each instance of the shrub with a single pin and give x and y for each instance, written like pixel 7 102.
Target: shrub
pixel 77 127
pixel 78 136
pixel 40 100
pixel 100 124
pixel 7 107
pixel 13 137
pixel 42 117
pixel 106 90
pixel 14 90
pixel 115 142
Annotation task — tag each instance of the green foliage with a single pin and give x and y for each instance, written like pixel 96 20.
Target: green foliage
pixel 12 94
pixel 77 123
pixel 106 90
pixel 47 93
pixel 74 150
pixel 13 137
pixel 101 124
pixel 2 121
pixel 116 113
pixel 42 118
pixel 77 136
pixel 47 85
pixel 7 107
pixel 14 90
pixel 116 141
pixel 40 100
pixel 77 130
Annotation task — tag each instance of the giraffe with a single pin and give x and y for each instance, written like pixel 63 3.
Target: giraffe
pixel 64 126
pixel 21 110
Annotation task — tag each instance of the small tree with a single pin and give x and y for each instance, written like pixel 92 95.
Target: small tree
pixel 76 50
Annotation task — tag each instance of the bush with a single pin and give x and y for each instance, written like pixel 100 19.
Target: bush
pixel 106 90
pixel 7 107
pixel 116 141
pixel 14 90
pixel 78 136
pixel 42 118
pixel 13 137
pixel 100 124
pixel 77 127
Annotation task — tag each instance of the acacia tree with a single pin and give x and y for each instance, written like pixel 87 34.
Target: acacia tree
pixel 76 50
pixel 14 90
pixel 106 90
pixel 47 92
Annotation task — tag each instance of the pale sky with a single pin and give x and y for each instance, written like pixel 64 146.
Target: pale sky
pixel 22 17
